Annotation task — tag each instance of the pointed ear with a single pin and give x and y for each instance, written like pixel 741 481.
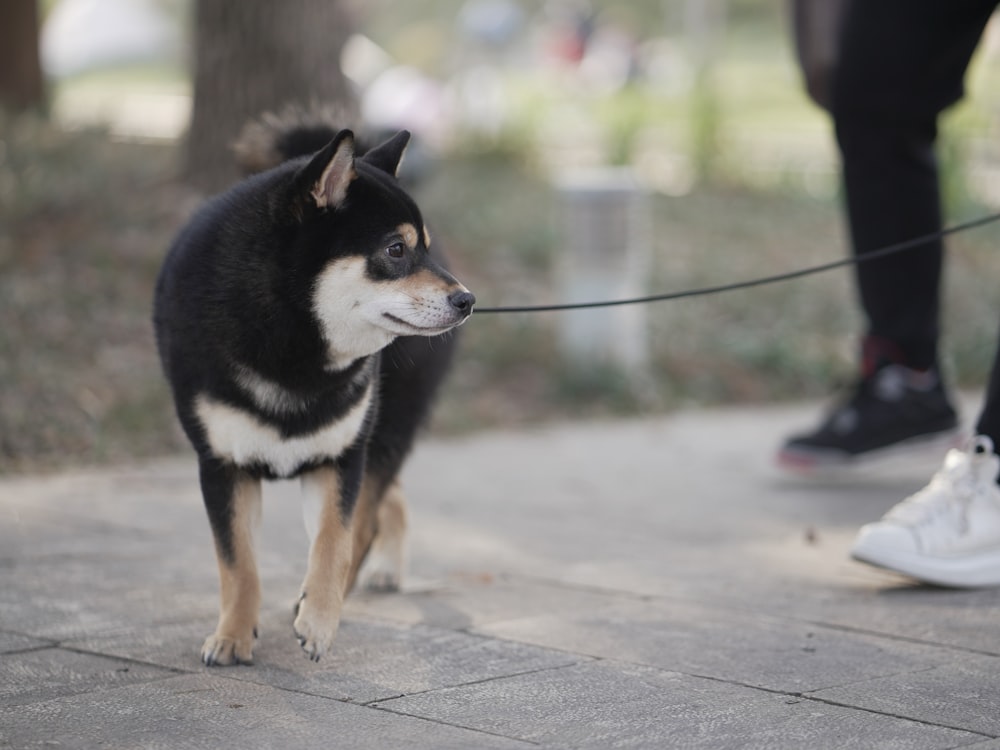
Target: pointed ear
pixel 330 172
pixel 389 155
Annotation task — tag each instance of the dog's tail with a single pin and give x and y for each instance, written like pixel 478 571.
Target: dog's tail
pixel 296 130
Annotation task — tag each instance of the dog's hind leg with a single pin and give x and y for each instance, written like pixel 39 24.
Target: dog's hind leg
pixel 328 506
pixel 233 500
pixel 364 525
pixel 387 557
pixel 380 522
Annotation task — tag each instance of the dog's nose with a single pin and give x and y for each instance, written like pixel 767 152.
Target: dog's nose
pixel 462 301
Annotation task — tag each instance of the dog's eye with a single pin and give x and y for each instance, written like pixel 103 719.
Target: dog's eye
pixel 396 250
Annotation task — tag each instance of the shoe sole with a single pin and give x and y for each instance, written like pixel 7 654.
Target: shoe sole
pixel 979 571
pixel 820 463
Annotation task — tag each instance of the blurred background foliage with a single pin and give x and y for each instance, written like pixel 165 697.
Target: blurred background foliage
pixel 702 99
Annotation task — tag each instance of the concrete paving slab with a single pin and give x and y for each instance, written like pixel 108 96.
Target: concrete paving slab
pixel 43 674
pixel 663 508
pixel 371 660
pixel 609 705
pixel 214 713
pixel 73 599
pixel 894 606
pixel 740 647
pixel 469 602
pixel 643 582
pixel 962 692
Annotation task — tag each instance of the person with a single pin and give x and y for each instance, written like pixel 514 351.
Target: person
pixel 897 65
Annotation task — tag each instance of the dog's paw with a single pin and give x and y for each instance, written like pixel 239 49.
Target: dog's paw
pixel 223 651
pixel 381 581
pixel 315 627
pixel 382 573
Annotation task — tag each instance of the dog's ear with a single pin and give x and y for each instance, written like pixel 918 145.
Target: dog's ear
pixel 329 173
pixel 389 155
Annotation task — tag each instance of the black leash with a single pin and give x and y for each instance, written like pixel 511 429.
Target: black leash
pixel 849 261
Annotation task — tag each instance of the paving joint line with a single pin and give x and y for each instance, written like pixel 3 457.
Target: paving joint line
pixel 485 680
pixel 896 637
pixel 592 658
pixel 876 678
pixel 807 696
pixel 371 704
pixel 29 649
pixel 439 722
pixel 125 659
pixel 891 715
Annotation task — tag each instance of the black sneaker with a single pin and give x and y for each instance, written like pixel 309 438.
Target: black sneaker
pixel 893 407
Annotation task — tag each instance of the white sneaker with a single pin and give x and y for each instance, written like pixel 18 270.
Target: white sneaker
pixel 948 533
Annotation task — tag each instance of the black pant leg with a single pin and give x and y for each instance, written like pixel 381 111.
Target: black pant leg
pixel 901 63
pixel 989 418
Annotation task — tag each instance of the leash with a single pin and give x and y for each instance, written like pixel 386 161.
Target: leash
pixel 705 291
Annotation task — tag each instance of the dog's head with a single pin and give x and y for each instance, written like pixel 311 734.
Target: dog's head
pixel 364 246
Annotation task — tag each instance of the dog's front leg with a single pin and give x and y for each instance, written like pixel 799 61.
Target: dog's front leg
pixel 329 496
pixel 233 499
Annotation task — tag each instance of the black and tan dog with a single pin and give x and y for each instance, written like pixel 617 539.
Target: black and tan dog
pixel 288 317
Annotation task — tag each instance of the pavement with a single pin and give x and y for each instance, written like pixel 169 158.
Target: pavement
pixel 650 583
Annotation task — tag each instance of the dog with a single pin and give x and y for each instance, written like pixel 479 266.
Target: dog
pixel 300 320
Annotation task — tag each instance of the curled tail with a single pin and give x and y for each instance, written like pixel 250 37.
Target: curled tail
pixel 296 130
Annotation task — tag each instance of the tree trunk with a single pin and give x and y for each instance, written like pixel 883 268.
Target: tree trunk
pixel 21 83
pixel 255 56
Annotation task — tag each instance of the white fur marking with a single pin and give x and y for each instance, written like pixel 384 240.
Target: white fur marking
pixel 267 394
pixel 239 437
pixel 351 310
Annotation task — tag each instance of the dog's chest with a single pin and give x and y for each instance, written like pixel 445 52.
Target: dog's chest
pixel 240 437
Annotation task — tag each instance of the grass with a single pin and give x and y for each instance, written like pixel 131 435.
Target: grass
pixel 80 241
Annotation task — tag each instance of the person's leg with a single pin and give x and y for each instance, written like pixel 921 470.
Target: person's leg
pixel 886 107
pixel 988 423
pixel 901 62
